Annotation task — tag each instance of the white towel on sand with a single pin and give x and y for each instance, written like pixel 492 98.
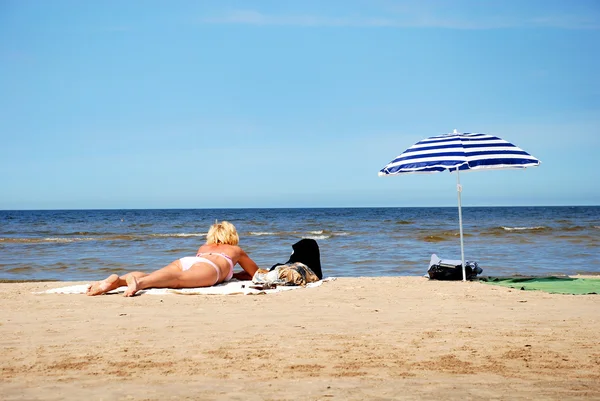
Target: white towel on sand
pixel 229 288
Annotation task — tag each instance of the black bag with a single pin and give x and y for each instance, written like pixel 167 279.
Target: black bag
pixel 306 251
pixel 442 271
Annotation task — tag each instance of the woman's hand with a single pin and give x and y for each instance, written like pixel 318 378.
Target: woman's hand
pixel 242 276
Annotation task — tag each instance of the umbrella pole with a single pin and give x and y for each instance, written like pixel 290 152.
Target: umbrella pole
pixel 462 246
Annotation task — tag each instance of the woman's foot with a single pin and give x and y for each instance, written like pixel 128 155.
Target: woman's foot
pixel 132 286
pixel 102 287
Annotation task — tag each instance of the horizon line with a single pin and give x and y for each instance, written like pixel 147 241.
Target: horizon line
pixel 293 207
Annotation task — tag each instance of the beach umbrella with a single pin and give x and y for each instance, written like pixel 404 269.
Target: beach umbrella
pixel 457 152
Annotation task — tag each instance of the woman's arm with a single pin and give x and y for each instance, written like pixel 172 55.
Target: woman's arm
pixel 249 266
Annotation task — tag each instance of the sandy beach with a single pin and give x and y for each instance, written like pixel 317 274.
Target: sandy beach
pixel 349 339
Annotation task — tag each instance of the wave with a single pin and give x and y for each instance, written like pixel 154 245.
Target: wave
pixel 503 230
pixel 433 238
pixel 43 240
pixel 316 237
pixel 438 236
pixel 314 234
pixel 573 228
pixel 179 235
pixel 178 251
pixel 87 233
pixel 367 262
pixel 578 239
pixel 21 269
pixel 112 237
pixel 535 228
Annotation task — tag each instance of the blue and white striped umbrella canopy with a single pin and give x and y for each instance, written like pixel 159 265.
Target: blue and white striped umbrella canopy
pixel 462 151
pixel 459 152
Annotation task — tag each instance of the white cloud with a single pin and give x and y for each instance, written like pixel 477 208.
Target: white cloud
pixel 250 17
pixel 408 20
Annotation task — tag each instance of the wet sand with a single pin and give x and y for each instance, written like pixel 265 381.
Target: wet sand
pixel 349 339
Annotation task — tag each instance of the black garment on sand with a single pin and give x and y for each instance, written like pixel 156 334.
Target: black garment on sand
pixel 306 251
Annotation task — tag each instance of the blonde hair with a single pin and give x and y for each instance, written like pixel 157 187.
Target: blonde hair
pixel 222 233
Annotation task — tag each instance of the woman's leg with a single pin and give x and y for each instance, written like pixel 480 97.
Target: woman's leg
pixel 171 276
pixel 111 282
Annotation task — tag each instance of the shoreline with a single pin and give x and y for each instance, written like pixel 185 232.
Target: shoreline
pixel 352 338
pixel 480 278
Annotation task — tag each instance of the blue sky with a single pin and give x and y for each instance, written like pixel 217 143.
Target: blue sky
pixel 218 104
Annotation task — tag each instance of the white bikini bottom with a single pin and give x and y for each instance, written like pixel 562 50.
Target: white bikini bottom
pixel 188 261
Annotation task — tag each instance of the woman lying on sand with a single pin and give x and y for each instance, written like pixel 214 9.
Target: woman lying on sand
pixel 213 264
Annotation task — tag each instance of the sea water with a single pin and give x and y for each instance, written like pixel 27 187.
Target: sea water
pixel 74 245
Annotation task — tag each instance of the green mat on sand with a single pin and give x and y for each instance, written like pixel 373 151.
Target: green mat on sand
pixel 555 285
